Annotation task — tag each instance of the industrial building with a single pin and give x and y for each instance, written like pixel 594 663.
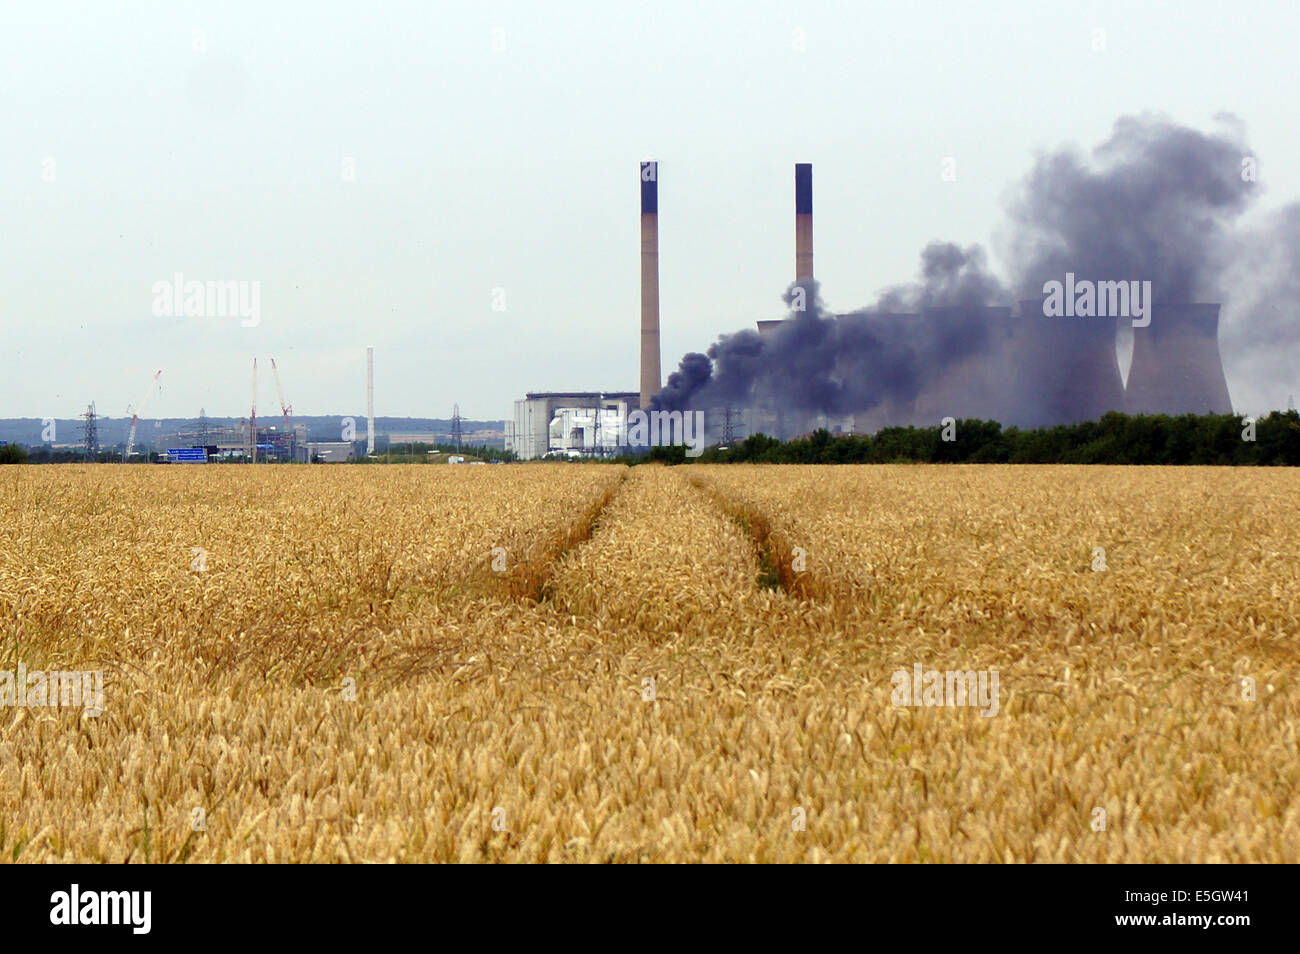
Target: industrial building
pixel 572 423
pixel 273 444
pixel 223 443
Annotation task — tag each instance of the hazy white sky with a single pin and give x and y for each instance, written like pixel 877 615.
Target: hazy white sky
pixel 134 147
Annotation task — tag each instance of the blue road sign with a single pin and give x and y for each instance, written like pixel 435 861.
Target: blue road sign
pixel 187 455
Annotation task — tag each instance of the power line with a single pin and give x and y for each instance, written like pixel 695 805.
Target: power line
pixel 728 426
pixel 90 432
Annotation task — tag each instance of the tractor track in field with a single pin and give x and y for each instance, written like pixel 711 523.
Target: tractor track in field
pixel 776 554
pixel 530 580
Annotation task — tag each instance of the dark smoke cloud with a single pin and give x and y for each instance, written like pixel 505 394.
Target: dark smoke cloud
pixel 1155 202
pixel 1260 323
pixel 691 377
pixel 813 363
pixel 951 277
pixel 1265 276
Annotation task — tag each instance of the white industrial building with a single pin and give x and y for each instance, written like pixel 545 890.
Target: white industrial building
pixel 572 423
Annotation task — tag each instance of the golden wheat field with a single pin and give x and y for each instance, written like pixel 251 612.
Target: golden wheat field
pixel 558 662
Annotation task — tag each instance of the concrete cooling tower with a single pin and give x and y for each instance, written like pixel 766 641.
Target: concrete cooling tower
pixel 1066 369
pixel 972 376
pixel 1176 365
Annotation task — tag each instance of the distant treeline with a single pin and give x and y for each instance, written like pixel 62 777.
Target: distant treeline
pixel 1188 439
pixel 1221 439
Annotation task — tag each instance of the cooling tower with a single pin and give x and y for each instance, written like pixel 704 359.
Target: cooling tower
pixel 370 401
pixel 1176 365
pixel 650 380
pixel 803 226
pixel 969 350
pixel 1065 370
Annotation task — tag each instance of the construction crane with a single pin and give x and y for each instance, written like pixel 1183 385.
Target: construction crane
pixel 252 418
pixel 285 409
pixel 135 415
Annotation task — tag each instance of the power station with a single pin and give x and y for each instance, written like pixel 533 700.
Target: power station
pixel 1024 368
pixel 1029 370
pixel 1022 365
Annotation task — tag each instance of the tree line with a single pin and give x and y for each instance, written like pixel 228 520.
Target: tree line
pixel 1186 439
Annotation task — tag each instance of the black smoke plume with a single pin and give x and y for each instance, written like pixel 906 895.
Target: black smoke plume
pixel 1155 202
pixel 814 363
pixel 1260 324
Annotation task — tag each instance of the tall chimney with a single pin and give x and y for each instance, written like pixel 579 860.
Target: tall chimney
pixel 650 380
pixel 370 401
pixel 803 244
